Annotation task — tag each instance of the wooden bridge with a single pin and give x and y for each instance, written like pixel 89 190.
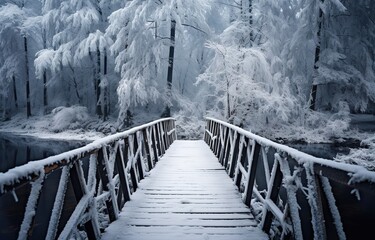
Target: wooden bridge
pixel 231 185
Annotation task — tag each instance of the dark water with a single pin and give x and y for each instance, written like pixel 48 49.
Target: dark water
pixel 357 214
pixel 16 151
pixel 321 150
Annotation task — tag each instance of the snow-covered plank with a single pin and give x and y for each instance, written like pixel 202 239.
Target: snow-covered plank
pixel 188 195
pixel 202 216
pixel 188 211
pixel 173 232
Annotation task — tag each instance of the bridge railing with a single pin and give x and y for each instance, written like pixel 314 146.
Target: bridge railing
pixel 292 193
pixel 88 186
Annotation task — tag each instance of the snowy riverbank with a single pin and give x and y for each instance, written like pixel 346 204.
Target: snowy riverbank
pixel 70 125
pixel 76 124
pixel 44 127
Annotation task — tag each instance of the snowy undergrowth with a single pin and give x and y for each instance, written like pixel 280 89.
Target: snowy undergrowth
pixel 67 123
pixel 189 127
pixel 361 156
pixel 75 123
pixel 69 118
pixel 312 127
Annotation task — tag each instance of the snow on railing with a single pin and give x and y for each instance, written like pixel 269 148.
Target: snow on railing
pixel 103 175
pixel 277 180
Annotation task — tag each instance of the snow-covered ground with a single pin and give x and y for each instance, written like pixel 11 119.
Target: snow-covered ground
pixel 51 127
pixel 75 123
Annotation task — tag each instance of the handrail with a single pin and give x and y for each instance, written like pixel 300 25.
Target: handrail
pixel 98 173
pixel 279 178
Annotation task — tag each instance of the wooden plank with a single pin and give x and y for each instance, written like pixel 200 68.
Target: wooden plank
pixel 245 232
pixel 179 216
pixel 185 195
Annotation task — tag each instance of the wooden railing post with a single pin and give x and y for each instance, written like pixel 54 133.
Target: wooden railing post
pixel 167 136
pixel 303 177
pixel 228 148
pixel 175 130
pixel 31 207
pixel 121 161
pixel 162 135
pixel 58 204
pixel 80 190
pixel 205 135
pixel 242 156
pixel 105 176
pixel 106 188
pixel 234 155
pixel 212 131
pixel 291 190
pixel 147 148
pixel 272 194
pixel 218 140
pixel 316 205
pixel 154 144
pixel 224 144
pixel 253 164
pixel 138 158
pixel 133 175
pixel 161 138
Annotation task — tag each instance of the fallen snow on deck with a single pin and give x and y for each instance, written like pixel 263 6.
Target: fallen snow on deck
pixel 187 196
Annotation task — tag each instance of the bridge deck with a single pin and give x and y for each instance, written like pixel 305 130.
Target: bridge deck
pixel 187 196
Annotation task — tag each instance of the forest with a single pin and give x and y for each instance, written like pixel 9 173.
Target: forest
pixel 297 68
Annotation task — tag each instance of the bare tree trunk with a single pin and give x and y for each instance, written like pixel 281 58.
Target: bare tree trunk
pixel 247 17
pixel 28 105
pixel 15 92
pixel 75 84
pixel 97 84
pixel 314 87
pixel 251 21
pixel 45 98
pixel 106 101
pixel 167 111
pixel 228 101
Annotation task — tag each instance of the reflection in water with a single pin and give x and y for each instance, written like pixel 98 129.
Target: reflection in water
pixel 357 214
pixel 16 151
pixel 321 150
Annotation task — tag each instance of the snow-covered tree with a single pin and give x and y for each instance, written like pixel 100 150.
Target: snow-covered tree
pixel 345 71
pixel 75 53
pixel 97 44
pixel 73 20
pixel 242 81
pixel 18 25
pixel 142 33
